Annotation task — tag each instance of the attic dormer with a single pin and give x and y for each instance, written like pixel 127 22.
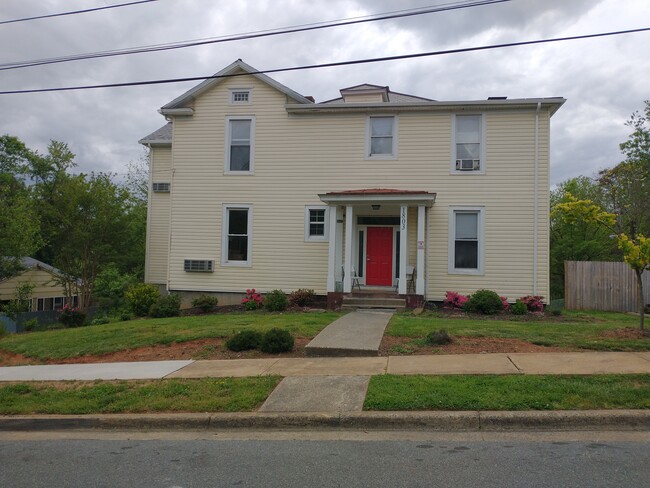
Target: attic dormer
pixel 365 94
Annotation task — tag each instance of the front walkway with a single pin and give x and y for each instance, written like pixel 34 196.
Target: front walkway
pixel 515 363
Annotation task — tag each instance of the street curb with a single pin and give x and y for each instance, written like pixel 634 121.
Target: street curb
pixel 634 420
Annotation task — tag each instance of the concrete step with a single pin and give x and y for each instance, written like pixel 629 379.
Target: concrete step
pixel 374 294
pixel 368 302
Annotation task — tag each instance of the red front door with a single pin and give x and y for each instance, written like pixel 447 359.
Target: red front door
pixel 379 262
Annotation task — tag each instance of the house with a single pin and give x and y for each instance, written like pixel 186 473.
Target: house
pixel 256 186
pixel 48 293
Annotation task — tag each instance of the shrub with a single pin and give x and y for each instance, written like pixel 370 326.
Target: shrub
pixel 110 287
pixel 504 304
pixel 484 301
pixel 125 315
pixel 244 340
pixel 276 340
pixel 99 321
pixel 301 297
pixel 140 297
pixel 276 301
pixel 29 325
pixel 533 303
pixel 454 300
pixel 205 303
pixel 252 300
pixel 166 306
pixel 438 337
pixel 71 316
pixel 519 308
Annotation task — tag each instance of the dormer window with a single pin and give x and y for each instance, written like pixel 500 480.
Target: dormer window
pixel 240 96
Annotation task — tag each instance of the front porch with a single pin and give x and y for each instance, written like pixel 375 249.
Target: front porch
pixel 371 240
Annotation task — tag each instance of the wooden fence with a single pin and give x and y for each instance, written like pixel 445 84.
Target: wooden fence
pixel 598 285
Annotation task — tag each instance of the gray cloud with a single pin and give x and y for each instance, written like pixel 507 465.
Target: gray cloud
pixel 604 80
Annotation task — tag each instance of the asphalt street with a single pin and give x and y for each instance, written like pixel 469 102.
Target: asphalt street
pixel 459 461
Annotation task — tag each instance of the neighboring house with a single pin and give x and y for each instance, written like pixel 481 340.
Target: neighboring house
pixel 257 186
pixel 48 294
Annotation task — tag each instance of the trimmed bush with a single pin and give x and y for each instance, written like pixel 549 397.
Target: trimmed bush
pixel 99 321
pixel 519 308
pixel 276 301
pixel 140 297
pixel 301 297
pixel 438 338
pixel 29 325
pixel 533 303
pixel 205 303
pixel 252 300
pixel 244 340
pixel 166 306
pixel 276 340
pixel 486 302
pixel 71 316
pixel 454 300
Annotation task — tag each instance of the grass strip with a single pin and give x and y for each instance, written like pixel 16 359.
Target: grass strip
pixel 573 330
pixel 174 395
pixel 120 336
pixel 508 392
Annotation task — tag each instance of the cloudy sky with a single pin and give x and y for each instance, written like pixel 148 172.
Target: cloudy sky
pixel 604 80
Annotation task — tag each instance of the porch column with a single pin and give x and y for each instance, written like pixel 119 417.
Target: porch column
pixel 331 254
pixel 403 248
pixel 419 270
pixel 338 267
pixel 347 259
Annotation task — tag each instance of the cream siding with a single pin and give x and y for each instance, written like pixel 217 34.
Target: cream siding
pixel 159 217
pixel 298 156
pixel 45 285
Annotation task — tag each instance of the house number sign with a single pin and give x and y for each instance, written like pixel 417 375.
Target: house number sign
pixel 403 219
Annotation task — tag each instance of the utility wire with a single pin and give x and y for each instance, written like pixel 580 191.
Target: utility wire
pixel 329 65
pixel 61 14
pixel 253 35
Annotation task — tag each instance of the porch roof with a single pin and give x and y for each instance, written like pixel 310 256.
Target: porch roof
pixel 379 195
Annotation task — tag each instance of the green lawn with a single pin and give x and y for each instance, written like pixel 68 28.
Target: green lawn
pixel 119 336
pixel 510 392
pixel 576 330
pixel 203 395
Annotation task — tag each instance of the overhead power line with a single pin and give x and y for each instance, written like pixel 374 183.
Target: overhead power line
pixel 253 35
pixel 74 12
pixel 329 65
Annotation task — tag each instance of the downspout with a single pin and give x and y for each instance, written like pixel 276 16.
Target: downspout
pixel 536 200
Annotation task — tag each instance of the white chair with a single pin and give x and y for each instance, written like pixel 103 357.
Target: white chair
pixel 355 277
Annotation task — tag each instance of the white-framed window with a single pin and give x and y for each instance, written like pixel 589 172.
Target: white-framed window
pixel 237 235
pixel 240 144
pixel 468 143
pixel 240 96
pixel 466 240
pixel 316 223
pixel 381 137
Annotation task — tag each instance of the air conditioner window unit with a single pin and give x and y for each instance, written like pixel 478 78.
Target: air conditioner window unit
pixel 468 164
pixel 160 187
pixel 199 265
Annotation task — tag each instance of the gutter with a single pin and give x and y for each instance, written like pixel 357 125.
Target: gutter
pixel 536 200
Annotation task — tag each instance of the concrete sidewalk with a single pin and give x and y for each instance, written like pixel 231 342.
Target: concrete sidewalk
pixel 515 363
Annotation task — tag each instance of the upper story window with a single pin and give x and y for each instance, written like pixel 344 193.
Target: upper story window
pixel 466 240
pixel 316 223
pixel 236 235
pixel 240 96
pixel 382 138
pixel 468 146
pixel 240 137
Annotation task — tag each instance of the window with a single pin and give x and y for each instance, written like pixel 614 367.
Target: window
pixel 468 144
pixel 466 240
pixel 316 223
pixel 381 140
pixel 240 144
pixel 237 235
pixel 240 95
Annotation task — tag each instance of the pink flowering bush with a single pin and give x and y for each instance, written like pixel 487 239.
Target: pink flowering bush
pixel 454 300
pixel 71 316
pixel 252 300
pixel 504 302
pixel 533 303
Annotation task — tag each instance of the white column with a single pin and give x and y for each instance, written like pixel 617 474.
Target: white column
pixel 338 268
pixel 331 255
pixel 349 221
pixel 419 269
pixel 403 248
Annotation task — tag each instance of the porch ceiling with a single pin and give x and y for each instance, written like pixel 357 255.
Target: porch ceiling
pixel 379 195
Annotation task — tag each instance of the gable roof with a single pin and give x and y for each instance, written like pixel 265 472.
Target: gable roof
pixel 159 136
pixel 218 77
pixel 31 263
pixel 392 96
